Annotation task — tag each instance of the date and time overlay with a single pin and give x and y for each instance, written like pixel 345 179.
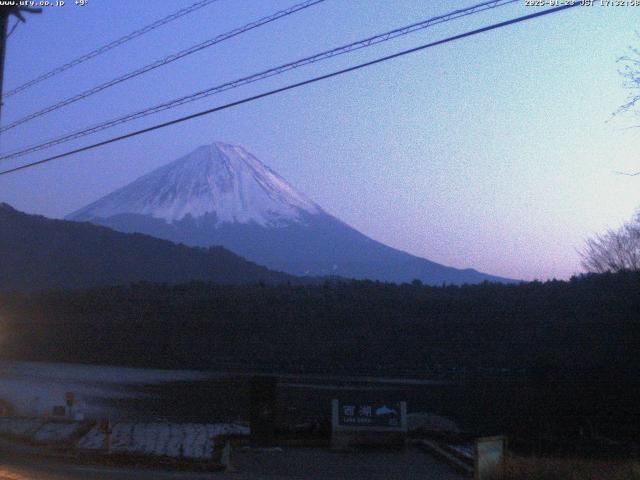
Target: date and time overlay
pixel 526 3
pixel 582 3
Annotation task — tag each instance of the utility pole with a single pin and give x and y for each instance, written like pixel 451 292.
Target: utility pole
pixel 5 12
pixel 4 23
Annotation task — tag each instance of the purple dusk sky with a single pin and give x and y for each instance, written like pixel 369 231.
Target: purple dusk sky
pixel 494 152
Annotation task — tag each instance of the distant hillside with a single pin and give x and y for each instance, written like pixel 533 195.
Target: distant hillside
pixel 40 253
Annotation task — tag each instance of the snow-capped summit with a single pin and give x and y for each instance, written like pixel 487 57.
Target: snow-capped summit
pixel 219 179
pixel 222 195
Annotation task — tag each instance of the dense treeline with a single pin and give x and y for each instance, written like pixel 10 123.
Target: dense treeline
pixel 589 323
pixel 531 358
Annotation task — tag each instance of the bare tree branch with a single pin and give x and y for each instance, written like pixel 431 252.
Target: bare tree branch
pixel 615 250
pixel 630 71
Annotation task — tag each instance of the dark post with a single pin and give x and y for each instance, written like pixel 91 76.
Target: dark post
pixel 105 426
pixel 5 12
pixel 4 22
pixel 263 410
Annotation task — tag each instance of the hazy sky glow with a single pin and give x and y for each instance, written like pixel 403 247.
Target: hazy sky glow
pixel 493 152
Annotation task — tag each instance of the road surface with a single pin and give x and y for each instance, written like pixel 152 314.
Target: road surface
pixel 252 464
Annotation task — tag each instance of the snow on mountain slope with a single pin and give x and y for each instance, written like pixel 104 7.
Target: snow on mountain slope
pixel 222 195
pixel 219 179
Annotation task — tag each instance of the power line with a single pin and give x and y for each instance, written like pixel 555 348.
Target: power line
pixel 294 85
pixel 344 49
pixel 15 25
pixel 164 61
pixel 110 46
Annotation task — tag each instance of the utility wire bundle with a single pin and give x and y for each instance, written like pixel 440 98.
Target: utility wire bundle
pixel 105 48
pixel 374 40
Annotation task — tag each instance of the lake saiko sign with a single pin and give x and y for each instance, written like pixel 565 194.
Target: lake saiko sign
pixel 369 414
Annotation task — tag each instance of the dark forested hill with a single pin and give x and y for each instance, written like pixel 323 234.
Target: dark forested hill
pixel 588 323
pixel 40 253
pixel 522 358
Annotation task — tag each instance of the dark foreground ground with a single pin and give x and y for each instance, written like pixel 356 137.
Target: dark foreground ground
pixel 251 464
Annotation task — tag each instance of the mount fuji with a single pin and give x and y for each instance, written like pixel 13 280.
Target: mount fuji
pixel 220 194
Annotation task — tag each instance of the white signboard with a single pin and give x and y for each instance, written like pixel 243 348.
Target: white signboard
pixel 355 422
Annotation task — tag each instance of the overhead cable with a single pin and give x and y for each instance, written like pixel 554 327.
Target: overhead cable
pixel 344 49
pixel 105 48
pixel 162 62
pixel 293 86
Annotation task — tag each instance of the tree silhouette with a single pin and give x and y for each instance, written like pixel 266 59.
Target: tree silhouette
pixel 615 250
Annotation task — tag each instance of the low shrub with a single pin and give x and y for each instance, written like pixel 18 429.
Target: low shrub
pixel 567 469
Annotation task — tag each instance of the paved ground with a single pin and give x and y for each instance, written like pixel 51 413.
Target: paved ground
pixel 252 464
pixel 321 464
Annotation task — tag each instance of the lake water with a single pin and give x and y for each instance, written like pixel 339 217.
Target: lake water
pixel 35 388
pixel 139 394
